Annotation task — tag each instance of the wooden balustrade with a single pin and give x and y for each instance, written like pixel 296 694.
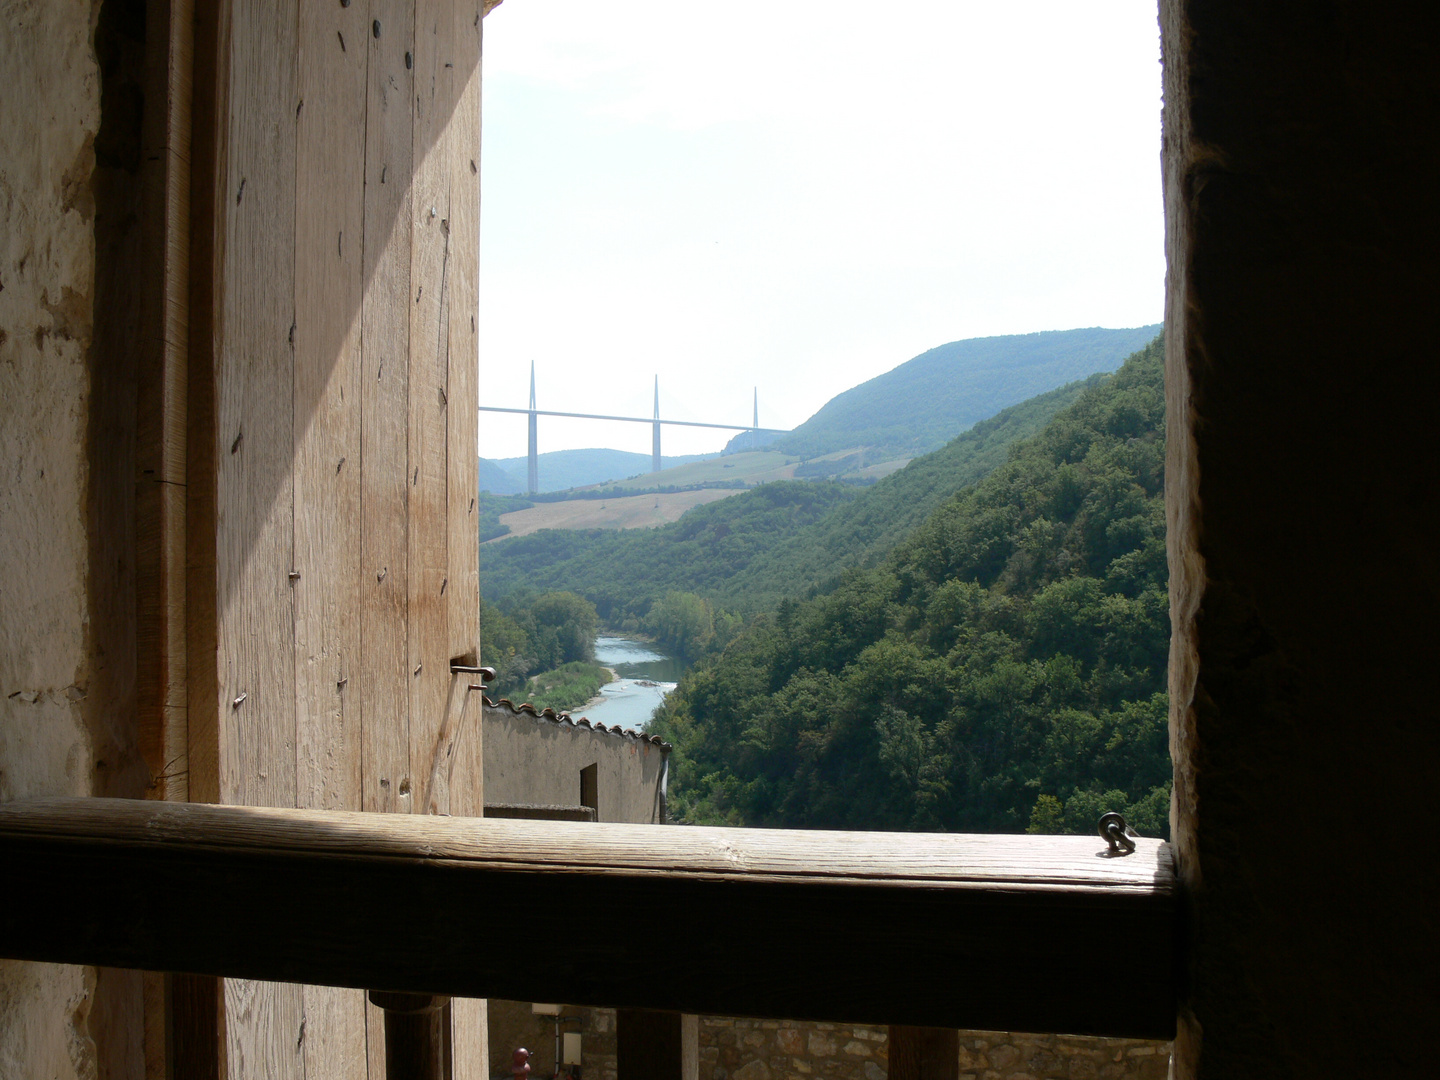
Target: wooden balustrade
pixel 995 932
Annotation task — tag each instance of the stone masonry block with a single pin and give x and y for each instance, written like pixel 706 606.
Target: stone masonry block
pixel 821 1045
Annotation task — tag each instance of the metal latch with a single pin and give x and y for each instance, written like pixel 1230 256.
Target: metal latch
pixel 1115 832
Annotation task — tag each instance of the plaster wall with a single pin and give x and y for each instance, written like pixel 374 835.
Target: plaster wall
pixel 48 128
pixel 529 759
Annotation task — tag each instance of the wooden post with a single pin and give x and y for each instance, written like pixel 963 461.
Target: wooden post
pixel 417 1028
pixel 655 1045
pixel 924 1053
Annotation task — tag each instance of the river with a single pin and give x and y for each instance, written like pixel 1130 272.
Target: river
pixel 643 677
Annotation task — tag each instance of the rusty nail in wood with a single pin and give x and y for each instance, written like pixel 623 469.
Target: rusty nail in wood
pixel 239 700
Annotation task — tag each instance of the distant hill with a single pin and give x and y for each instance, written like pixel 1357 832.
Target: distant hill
pixel 497 481
pixel 561 470
pixel 748 552
pixel 925 402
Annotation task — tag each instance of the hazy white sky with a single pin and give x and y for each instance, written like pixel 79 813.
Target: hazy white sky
pixel 799 195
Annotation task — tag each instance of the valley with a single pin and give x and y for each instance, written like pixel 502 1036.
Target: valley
pixel 974 641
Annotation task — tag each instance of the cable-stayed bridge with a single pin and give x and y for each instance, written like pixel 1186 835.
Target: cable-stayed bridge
pixel 533 464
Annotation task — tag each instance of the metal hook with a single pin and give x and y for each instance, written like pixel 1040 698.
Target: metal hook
pixel 1115 832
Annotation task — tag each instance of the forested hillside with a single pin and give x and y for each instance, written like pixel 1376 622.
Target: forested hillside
pixel 746 553
pixel 1003 668
pixel 922 404
pixel 542 649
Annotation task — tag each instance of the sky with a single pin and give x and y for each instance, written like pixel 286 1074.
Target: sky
pixel 798 196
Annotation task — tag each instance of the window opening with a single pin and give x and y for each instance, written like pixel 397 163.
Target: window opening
pixel 1053 630
pixel 590 787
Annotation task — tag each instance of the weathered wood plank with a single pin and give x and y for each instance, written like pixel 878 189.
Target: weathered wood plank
pixel 161 400
pixel 384 432
pixel 264 1030
pixel 465 766
pixel 429 669
pixel 160 636
pixel 469 1022
pixel 1043 933
pixel 255 479
pixel 209 184
pixel 329 216
pixel 463 357
pixel 255 411
pixel 329 264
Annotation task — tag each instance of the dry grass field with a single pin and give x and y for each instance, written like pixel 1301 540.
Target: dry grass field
pixel 629 512
pixel 753 467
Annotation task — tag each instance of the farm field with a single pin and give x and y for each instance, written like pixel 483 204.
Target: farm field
pixel 752 467
pixel 626 512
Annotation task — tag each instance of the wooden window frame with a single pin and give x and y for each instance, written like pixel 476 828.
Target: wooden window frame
pixel 1018 933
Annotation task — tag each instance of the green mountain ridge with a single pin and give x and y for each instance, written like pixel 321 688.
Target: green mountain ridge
pixel 1003 667
pixel 920 405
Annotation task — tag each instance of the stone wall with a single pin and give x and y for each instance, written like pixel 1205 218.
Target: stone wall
pixel 513 1025
pixel 772 1049
pixel 737 1049
pixel 1001 1055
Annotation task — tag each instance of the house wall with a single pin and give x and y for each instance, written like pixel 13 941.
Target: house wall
pixel 69 183
pixel 1301 162
pixel 531 759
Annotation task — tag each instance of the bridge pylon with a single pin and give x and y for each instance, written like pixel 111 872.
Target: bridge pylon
pixel 532 465
pixel 655 463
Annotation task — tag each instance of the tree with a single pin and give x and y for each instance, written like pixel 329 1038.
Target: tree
pixel 567 623
pixel 683 622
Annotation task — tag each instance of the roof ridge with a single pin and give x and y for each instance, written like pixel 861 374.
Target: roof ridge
pixel 547 713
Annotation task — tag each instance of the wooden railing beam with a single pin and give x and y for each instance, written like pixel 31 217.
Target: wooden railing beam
pixel 992 932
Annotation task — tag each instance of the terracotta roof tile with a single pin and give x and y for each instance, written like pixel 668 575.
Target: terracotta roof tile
pixel 526 709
